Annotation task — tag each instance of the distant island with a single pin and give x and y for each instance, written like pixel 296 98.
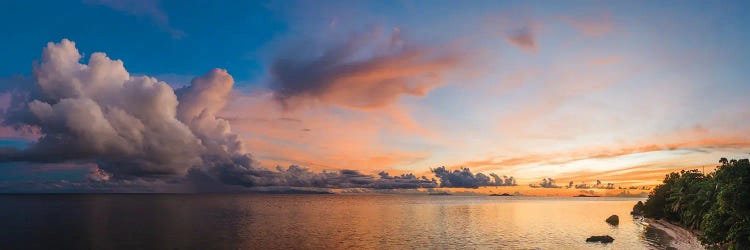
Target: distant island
pixel 441 193
pixel 293 191
pixel 584 195
pixel 714 206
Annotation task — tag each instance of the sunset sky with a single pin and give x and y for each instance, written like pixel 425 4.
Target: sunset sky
pixel 620 91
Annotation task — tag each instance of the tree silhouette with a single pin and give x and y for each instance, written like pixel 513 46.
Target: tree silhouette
pixel 718 203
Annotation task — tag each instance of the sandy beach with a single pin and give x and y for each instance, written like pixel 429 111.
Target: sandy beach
pixel 681 237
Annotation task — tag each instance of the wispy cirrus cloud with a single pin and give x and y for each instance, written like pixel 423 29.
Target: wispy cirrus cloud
pixel 524 38
pixel 150 9
pixel 592 25
pixel 625 162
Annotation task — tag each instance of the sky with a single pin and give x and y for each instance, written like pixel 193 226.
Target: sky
pixel 144 91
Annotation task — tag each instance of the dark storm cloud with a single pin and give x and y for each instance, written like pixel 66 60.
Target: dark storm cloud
pixel 296 176
pixel 546 183
pixel 466 179
pixel 403 181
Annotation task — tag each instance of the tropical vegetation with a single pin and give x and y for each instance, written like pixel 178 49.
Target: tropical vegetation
pixel 716 205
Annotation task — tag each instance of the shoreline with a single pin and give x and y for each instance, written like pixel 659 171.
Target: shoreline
pixel 682 238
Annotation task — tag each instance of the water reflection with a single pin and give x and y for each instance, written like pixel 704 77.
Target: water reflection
pixel 317 221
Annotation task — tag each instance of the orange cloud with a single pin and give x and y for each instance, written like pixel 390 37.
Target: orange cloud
pixel 691 140
pixel 644 174
pixel 367 71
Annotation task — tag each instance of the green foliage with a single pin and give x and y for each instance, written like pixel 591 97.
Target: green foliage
pixel 718 203
pixel 728 220
pixel 638 208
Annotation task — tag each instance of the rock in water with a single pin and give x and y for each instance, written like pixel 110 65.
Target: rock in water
pixel 638 208
pixel 613 220
pixel 601 238
pixel 504 194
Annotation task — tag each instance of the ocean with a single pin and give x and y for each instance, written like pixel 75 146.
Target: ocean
pixel 317 221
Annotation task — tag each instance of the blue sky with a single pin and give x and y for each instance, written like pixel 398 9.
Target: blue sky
pixel 571 88
pixel 236 34
pixel 226 35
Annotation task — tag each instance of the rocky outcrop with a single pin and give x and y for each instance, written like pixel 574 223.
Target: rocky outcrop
pixel 503 194
pixel 638 208
pixel 613 220
pixel 601 239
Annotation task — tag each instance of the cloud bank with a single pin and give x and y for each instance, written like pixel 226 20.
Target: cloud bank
pixel 463 178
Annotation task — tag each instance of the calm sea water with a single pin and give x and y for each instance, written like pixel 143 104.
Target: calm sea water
pixel 157 221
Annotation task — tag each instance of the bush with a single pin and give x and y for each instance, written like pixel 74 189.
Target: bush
pixel 718 203
pixel 638 208
pixel 728 220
